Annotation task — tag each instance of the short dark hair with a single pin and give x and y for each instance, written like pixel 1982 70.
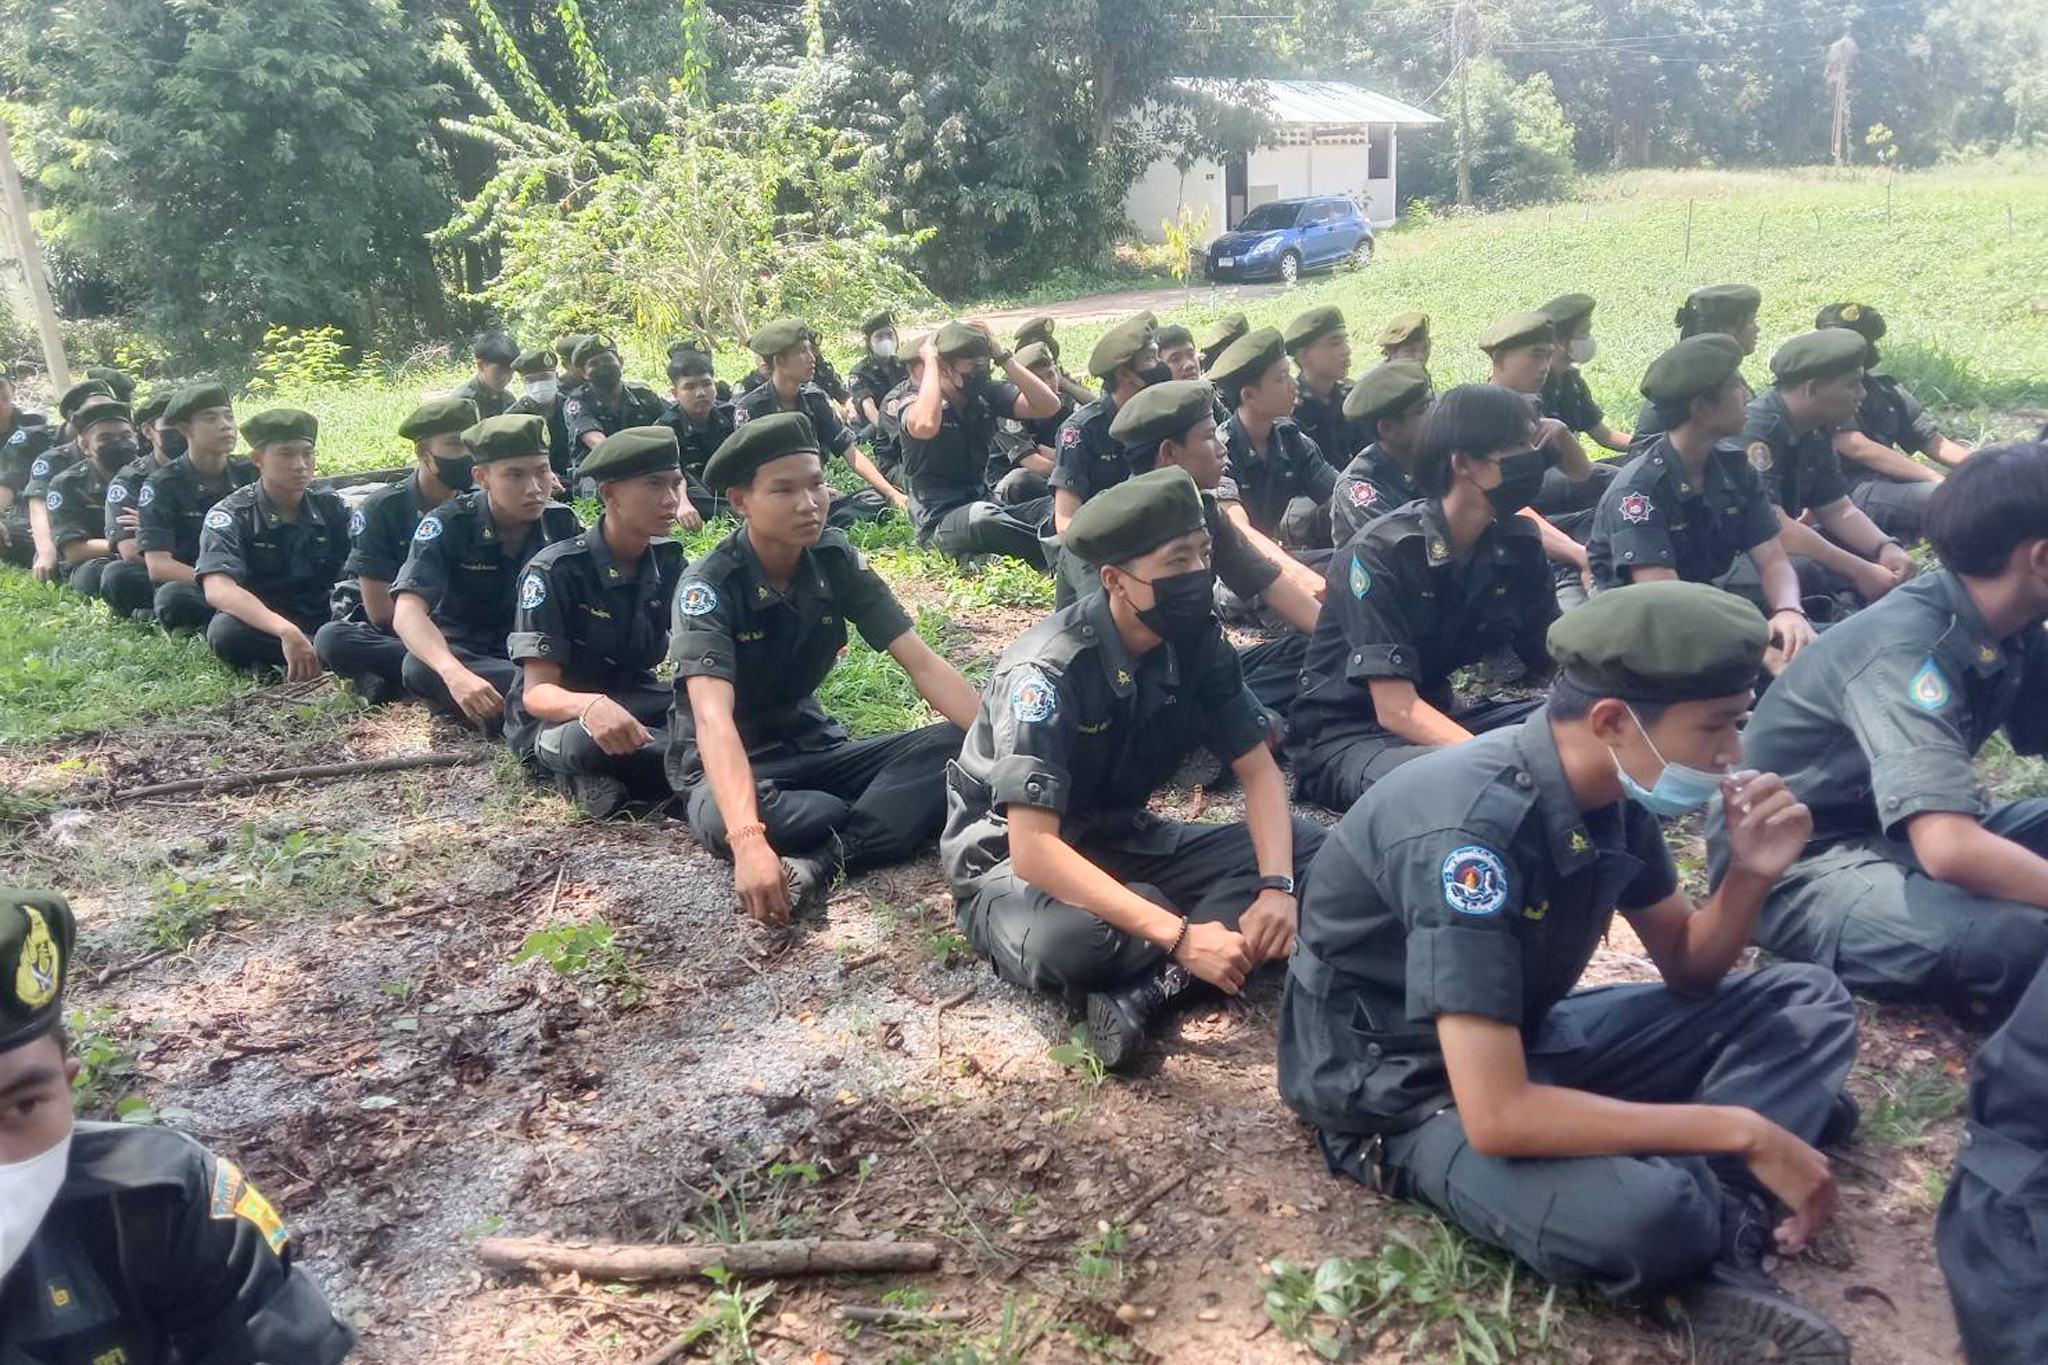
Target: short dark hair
pixel 683 363
pixel 1471 419
pixel 1994 500
pixel 1170 337
pixel 1569 701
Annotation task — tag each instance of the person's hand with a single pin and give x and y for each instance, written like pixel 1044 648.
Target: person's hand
pixel 45 565
pixel 1790 633
pixel 757 879
pixel 1799 1176
pixel 689 518
pixel 1586 584
pixel 478 699
pixel 1896 561
pixel 929 352
pixel 1768 826
pixel 982 327
pixel 1872 581
pixel 898 500
pixel 301 664
pixel 556 480
pixel 1216 954
pixel 1551 434
pixel 614 729
pixel 128 519
pixel 1268 925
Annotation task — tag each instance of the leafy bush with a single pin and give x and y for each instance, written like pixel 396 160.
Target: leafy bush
pixel 1521 144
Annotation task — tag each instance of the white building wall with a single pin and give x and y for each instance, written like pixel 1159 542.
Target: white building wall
pixel 1158 194
pixel 1281 172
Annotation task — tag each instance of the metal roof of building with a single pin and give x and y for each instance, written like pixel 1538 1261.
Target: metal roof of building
pixel 1317 101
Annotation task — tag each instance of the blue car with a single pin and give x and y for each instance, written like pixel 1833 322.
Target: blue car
pixel 1281 239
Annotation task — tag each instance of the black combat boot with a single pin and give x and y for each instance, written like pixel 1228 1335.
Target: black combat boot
pixel 1117 1019
pixel 1736 1313
pixel 810 878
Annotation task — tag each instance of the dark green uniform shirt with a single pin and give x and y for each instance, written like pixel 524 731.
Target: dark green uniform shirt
pixel 1566 397
pixel 174 502
pixel 1465 882
pixel 1018 438
pixel 1323 421
pixel 1891 416
pixel 874 379
pixel 811 401
pixel 77 503
pixel 48 465
pixel 1088 459
pixel 1291 466
pixel 380 530
pixel 1372 485
pixel 604 630
pixel 157 1252
pixel 1799 472
pixel 774 648
pixel 698 444
pixel 291 565
pixel 1650 517
pixel 1397 605
pixel 950 470
pixel 123 490
pixel 489 402
pixel 460 566
pixel 26 437
pixel 585 411
pixel 1071 723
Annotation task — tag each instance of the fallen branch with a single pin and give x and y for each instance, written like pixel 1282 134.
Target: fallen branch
pixel 631 1261
pixel 318 772
pixel 115 973
pixel 1156 1191
pixel 900 1317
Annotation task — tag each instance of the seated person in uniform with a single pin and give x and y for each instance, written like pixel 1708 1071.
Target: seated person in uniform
pixel 880 370
pixel 1915 886
pixel 24 436
pixel 790 356
pixel 172 508
pixel 1687 505
pixel 1890 426
pixel 1177 352
pixel 1433 586
pixel 700 423
pixel 1988 1234
pixel 490 388
pixel 455 596
pixel 1630 1137
pixel 161 445
pixel 949 426
pixel 50 461
pixel 77 500
pixel 1042 330
pixel 1789 440
pixel 1217 336
pixel 593 623
pixel 271 553
pixel 605 401
pixel 1126 360
pixel 1725 309
pixel 1277 484
pixel 363 645
pixel 1405 337
pixel 125 1241
pixel 1027 448
pixel 1522 348
pixel 1387 406
pixel 1061 877
pixel 1320 347
pixel 540 393
pixel 1565 395
pixel 768 778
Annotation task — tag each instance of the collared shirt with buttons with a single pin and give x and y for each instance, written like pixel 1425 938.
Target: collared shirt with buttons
pixel 122 491
pixel 698 443
pixel 1019 438
pixel 1088 459
pixel 1800 471
pixel 950 469
pixel 585 410
pixel 1071 723
pixel 1465 882
pixel 1290 467
pixel 1649 426
pixel 77 503
pixel 811 401
pixel 26 437
pixel 174 502
pixel 605 629
pixel 489 402
pixel 774 647
pixel 1891 416
pixel 874 379
pixel 1566 397
pixel 1652 517
pixel 289 563
pixel 1398 605
pixel 380 530
pixel 1372 485
pixel 1323 421
pixel 47 466
pixel 461 567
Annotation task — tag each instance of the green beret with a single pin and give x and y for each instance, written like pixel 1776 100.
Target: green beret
pixel 566 345
pixel 1402 328
pixel 36 938
pixel 1039 330
pixel 1245 360
pixel 1661 642
pixel 753 444
pixel 75 396
pixel 1695 366
pixel 1387 391
pixel 632 452
pixel 1720 303
pixel 589 348
pixel 194 399
pixel 958 341
pixel 152 408
pixel 534 362
pixel 1035 356
pixel 97 410
pixel 773 338
pixel 496 348
pixel 280 424
pixel 1120 345
pixel 514 436
pixel 436 417
pixel 876 322
pixel 1821 354
pixel 1312 326
pixel 1222 332
pixel 1568 310
pixel 1136 517
pixel 123 385
pixel 1859 318
pixel 1518 329
pixel 1162 412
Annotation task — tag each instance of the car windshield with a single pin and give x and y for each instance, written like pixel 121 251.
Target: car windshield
pixel 1269 218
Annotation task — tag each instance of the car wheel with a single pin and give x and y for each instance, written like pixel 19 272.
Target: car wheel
pixel 1361 255
pixel 1290 267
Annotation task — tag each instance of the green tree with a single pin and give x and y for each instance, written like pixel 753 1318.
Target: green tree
pixel 1521 144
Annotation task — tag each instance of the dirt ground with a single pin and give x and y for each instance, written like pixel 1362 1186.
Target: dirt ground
pixel 353 1029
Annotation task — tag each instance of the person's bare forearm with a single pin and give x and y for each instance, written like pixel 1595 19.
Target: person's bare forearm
pixel 1948 452
pixel 1055 867
pixel 1802 540
pixel 1401 709
pixel 554 703
pixel 1882 459
pixel 1557 545
pixel 1552 1121
pixel 165 567
pixel 1716 934
pixel 422 636
pixel 39 526
pixel 377 605
pixel 1064 505
pixel 865 467
pixel 1955 849
pixel 1612 439
pixel 1035 395
pixel 78 551
pixel 1265 811
pixel 926 411
pixel 225 594
pixel 1295 606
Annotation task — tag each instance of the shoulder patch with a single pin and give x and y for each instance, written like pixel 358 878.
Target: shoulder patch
pixel 234 1197
pixel 1475 880
pixel 533 590
pixel 1364 494
pixel 1070 434
pixel 356 523
pixel 739 415
pixel 696 598
pixel 117 492
pixel 1635 507
pixel 430 528
pixel 1361 581
pixel 1759 453
pixel 146 496
pixel 1032 699
pixel 1929 688
pixel 41 468
pixel 572 406
pixel 53 500
pixel 217 520
pixel 18 437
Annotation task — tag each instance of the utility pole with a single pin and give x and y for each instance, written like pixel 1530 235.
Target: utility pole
pixel 1841 64
pixel 1463 24
pixel 31 254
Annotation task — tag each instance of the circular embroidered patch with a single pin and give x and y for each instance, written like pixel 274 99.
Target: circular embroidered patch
pixel 217 520
pixel 1032 698
pixel 40 469
pixel 146 496
pixel 53 500
pixel 696 598
pixel 18 437
pixel 1475 880
pixel 1759 453
pixel 117 492
pixel 355 524
pixel 430 528
pixel 533 591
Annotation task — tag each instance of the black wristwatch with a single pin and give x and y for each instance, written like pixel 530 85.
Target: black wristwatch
pixel 1284 885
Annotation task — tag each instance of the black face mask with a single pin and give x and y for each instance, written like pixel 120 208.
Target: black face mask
pixel 1156 374
pixel 975 383
pixel 171 443
pixel 1521 478
pixel 114 454
pixel 606 376
pixel 1183 604
pixel 457 475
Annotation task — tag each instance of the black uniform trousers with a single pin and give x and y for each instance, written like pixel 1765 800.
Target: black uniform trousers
pixel 989 528
pixel 125 586
pixel 1208 873
pixel 1272 670
pixel 240 645
pixel 85 576
pixel 568 750
pixel 128 588
pixel 1898 507
pixel 424 683
pixel 1336 777
pixel 351 649
pixel 1778 1041
pixel 884 796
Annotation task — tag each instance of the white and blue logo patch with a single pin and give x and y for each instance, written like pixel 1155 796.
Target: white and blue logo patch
pixel 146 496
pixel 1475 880
pixel 532 592
pixel 18 437
pixel 1361 581
pixel 1929 688
pixel 1032 699
pixel 430 528
pixel 117 492
pixel 696 598
pixel 355 523
pixel 53 500
pixel 40 469
pixel 217 520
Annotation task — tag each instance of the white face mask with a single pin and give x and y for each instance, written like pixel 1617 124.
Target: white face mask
pixel 885 347
pixel 541 390
pixel 27 1189
pixel 1583 349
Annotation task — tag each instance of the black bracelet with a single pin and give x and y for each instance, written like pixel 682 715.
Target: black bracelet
pixel 1796 611
pixel 1179 938
pixel 1889 540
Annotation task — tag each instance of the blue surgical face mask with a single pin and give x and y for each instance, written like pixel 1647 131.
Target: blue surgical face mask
pixel 1679 789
